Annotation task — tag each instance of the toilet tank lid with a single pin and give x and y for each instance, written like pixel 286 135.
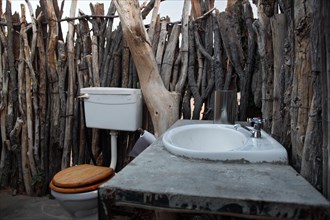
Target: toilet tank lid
pixel 109 91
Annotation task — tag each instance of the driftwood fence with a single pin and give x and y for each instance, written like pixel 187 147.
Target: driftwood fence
pixel 273 61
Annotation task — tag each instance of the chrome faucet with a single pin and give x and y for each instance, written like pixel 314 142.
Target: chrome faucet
pixel 256 123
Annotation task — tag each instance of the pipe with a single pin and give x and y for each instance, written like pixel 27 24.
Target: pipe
pixel 113 135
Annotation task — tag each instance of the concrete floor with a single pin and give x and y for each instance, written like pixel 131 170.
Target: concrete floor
pixel 27 207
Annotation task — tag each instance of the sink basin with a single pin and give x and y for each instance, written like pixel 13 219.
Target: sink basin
pixel 224 143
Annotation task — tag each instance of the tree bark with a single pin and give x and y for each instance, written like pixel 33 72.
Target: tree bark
pixel 250 60
pixel 278 24
pixel 311 165
pixel 4 78
pixel 287 74
pixel 161 45
pixel 325 79
pixel 169 55
pixel 42 88
pixel 231 38
pixel 28 92
pixel 26 172
pixel 164 111
pixel 55 146
pixel 302 87
pixel 153 22
pixel 184 47
pixel 70 91
pixel 265 47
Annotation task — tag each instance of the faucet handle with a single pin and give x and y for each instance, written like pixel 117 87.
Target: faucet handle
pixel 256 121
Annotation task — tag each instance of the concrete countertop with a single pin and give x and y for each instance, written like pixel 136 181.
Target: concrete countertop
pixel 160 180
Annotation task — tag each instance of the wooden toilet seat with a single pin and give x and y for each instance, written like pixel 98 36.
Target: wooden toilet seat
pixel 81 178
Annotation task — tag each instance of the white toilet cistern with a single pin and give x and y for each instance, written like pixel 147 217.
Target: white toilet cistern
pixel 116 109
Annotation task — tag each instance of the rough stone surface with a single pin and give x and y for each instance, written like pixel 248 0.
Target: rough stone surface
pixel 158 179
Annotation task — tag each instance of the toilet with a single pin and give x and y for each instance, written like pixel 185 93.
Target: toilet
pixel 115 109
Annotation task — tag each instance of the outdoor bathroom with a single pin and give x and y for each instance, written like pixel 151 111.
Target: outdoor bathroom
pixel 150 87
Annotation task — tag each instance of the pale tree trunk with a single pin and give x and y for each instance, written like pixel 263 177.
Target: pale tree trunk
pixel 94 66
pixel 30 54
pixel 154 18
pixel 26 173
pixel 25 162
pixel 161 44
pixel 28 92
pixel 163 106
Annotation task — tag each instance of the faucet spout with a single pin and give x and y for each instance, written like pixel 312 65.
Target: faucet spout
pixel 255 123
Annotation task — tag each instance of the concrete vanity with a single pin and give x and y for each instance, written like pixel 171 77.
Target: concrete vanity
pixel 159 180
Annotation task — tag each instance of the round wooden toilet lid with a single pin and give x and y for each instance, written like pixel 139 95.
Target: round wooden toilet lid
pixel 81 175
pixel 77 189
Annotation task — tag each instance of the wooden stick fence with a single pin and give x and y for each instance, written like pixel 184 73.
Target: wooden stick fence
pixel 41 73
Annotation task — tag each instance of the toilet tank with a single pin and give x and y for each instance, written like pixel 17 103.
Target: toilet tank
pixel 112 108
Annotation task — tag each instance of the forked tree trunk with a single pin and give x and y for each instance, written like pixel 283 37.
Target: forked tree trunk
pixel 163 106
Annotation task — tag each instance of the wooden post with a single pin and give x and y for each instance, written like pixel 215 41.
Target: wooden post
pixel 278 24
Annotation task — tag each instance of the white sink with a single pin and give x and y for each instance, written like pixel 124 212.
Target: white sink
pixel 224 143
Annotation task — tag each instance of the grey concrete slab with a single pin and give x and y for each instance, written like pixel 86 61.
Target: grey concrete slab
pixel 158 179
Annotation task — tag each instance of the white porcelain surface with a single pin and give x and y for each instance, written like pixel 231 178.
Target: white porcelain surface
pixel 223 142
pixel 112 108
pixel 79 205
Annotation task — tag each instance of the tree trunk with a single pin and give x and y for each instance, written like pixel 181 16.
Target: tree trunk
pixel 55 146
pixel 302 86
pixel 278 23
pixel 169 56
pixel 162 105
pixel 264 33
pixel 42 88
pixel 161 44
pixel 287 75
pixel 311 165
pixel 3 104
pixel 71 90
pixel 325 79
pixel 184 48
pixel 231 37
